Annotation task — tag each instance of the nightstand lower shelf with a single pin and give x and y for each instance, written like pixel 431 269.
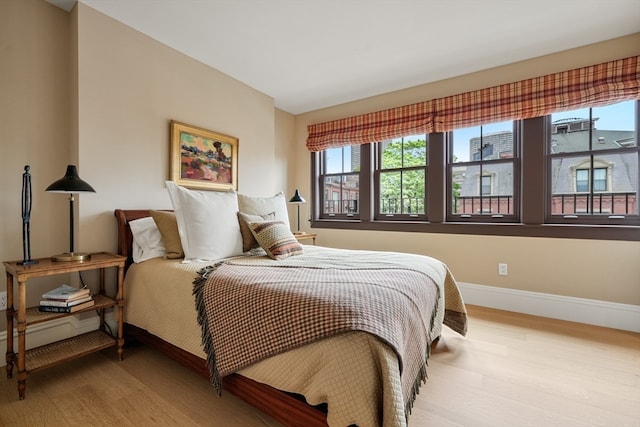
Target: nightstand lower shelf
pixel 70 348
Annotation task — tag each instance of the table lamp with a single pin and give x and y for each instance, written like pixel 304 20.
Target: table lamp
pixel 70 183
pixel 298 200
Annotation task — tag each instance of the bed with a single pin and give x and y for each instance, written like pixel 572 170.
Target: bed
pixel 303 386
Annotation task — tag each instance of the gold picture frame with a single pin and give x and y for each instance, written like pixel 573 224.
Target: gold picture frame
pixel 202 159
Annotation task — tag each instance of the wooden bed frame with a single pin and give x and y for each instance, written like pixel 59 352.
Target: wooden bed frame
pixel 286 408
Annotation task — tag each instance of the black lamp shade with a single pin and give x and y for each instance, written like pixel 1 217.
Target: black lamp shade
pixel 70 183
pixel 297 198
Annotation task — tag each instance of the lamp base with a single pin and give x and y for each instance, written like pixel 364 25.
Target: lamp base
pixel 71 256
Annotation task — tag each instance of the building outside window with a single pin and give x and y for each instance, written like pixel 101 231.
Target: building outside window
pixel 593 157
pixel 340 182
pixel 483 169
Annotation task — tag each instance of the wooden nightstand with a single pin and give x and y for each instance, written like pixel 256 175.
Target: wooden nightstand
pixel 306 236
pixel 56 352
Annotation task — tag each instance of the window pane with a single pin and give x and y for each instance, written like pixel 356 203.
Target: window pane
pixel 487 142
pixel 390 198
pixel 351 194
pixel 466 191
pixel 615 184
pixel 404 152
pixel 600 179
pixel 413 192
pixel 618 175
pixel 351 158
pixel 486 185
pixel 344 159
pixel 415 151
pixel 499 197
pixel 461 143
pixel 612 127
pixel 486 189
pixel 391 154
pixel 402 192
pixel 332 190
pixel 341 194
pixel 333 160
pixel 570 131
pixel 582 180
pixel 457 179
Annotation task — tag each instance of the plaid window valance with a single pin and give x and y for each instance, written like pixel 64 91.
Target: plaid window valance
pixel 595 85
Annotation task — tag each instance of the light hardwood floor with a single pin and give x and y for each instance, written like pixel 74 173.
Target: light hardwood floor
pixel 510 370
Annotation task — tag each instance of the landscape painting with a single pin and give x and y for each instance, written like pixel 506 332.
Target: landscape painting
pixel 203 159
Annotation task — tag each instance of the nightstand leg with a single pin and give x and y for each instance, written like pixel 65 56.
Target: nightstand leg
pixel 22 329
pixel 22 384
pixel 120 299
pixel 9 365
pixel 102 327
pixel 10 356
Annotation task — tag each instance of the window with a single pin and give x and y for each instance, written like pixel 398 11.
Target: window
pixel 340 182
pixel 486 185
pixel 483 173
pixel 535 177
pixel 401 177
pixel 593 165
pixel 600 179
pixel 583 180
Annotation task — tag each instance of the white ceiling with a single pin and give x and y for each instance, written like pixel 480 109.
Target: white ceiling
pixel 310 54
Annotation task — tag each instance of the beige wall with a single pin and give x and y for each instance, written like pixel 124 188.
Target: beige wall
pixel 34 120
pixel 130 86
pixel 600 270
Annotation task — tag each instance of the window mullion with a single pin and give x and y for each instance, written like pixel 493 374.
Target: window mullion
pixel 437 185
pixel 366 179
pixel 591 164
pixel 534 166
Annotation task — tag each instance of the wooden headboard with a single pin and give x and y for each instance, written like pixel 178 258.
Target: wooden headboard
pixel 125 238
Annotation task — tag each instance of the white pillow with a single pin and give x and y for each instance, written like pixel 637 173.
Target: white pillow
pixel 147 240
pixel 207 223
pixel 264 205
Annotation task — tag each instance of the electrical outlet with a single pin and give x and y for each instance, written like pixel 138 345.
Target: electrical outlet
pixel 502 269
pixel 3 300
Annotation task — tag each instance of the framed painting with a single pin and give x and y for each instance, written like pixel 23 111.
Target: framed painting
pixel 202 159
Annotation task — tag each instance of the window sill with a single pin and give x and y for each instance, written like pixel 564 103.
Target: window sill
pixel 597 232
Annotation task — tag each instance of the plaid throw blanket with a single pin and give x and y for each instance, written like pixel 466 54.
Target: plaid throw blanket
pixel 250 312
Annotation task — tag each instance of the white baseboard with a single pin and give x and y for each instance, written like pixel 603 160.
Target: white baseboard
pixel 592 312
pixel 47 332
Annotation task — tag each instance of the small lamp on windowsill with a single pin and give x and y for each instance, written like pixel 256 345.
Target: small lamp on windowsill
pixel 298 200
pixel 70 183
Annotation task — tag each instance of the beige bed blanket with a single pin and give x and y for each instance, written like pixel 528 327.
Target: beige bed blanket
pixel 333 371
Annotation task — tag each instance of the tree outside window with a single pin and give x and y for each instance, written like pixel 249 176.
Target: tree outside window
pixel 402 176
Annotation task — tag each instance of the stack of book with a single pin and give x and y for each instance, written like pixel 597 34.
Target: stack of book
pixel 66 299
